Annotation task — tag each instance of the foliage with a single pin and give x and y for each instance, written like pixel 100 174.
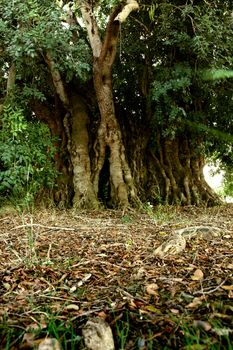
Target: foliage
pixel 198 41
pixel 172 76
pixel 214 74
pixel 187 48
pixel 228 182
pixel 170 92
pixel 30 29
pixel 26 153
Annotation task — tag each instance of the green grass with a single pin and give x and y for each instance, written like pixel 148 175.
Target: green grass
pixel 130 329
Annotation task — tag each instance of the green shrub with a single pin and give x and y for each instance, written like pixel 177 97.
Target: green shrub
pixel 26 156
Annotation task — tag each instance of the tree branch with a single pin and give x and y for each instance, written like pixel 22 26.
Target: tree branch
pixel 57 80
pixel 119 15
pixel 111 35
pixel 131 5
pixel 92 29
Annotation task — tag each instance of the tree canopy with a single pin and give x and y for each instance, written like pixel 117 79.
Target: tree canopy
pixel 135 96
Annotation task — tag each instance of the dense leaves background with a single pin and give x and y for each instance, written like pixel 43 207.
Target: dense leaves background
pixel 172 75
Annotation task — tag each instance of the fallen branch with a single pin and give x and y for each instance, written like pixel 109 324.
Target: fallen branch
pixel 210 291
pixel 47 227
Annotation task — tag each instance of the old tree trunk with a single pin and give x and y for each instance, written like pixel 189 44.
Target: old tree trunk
pixel 165 169
pixel 109 144
pixel 96 165
pixel 177 169
pixel 118 158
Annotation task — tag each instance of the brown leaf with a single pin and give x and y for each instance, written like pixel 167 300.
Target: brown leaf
pixel 195 303
pixel 72 307
pixel 198 275
pixel 227 287
pixel 230 266
pixel 175 311
pixel 152 289
pixel 202 324
pixel 49 344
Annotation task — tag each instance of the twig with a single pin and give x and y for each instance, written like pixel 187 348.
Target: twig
pixel 130 295
pixel 49 250
pixel 223 256
pixel 47 227
pixel 98 262
pixel 57 298
pixel 87 313
pixel 2 219
pixel 210 291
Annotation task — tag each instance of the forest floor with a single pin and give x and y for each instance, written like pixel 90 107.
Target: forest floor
pixel 59 269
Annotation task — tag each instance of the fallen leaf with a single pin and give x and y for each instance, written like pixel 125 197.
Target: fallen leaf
pixel 175 311
pixel 72 307
pixel 87 277
pixel 152 289
pixel 202 324
pixel 49 344
pixel 198 275
pixel 140 273
pixel 195 303
pixel 102 315
pixel 153 309
pixel 7 286
pixel 222 331
pixel 227 287
pixel 29 340
pixel 33 326
pixel 73 289
pixel 230 266
pixel 84 279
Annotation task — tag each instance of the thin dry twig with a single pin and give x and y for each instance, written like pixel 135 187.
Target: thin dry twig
pixel 47 227
pixel 203 292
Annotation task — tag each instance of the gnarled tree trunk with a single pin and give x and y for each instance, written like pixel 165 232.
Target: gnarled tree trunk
pixel 122 188
pixel 53 117
pixel 75 123
pixel 174 174
pixel 84 194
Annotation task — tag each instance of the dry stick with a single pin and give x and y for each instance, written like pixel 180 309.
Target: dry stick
pixel 87 313
pixel 49 250
pixel 57 298
pixel 99 262
pixel 130 295
pixel 47 227
pixel 223 256
pixel 66 228
pixel 210 291
pixel 5 218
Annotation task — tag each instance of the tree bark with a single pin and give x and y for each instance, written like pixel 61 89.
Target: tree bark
pixel 53 117
pixel 176 174
pixel 84 194
pixel 109 133
pixel 75 123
